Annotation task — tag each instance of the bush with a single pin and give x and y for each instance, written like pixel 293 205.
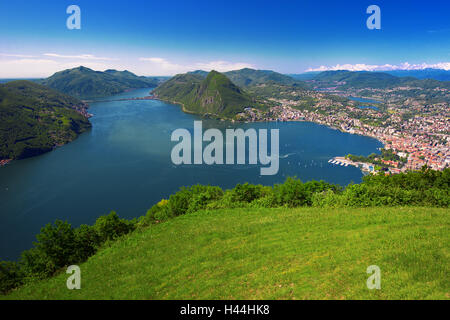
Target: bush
pixel 179 202
pixel 35 264
pixel 246 192
pixel 267 201
pixel 60 245
pixel 11 276
pixel 111 227
pixel 315 187
pixel 56 247
pixel 327 199
pixel 202 196
pixel 292 193
pixel 87 240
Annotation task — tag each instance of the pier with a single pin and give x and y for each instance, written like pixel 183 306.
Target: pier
pixel 342 161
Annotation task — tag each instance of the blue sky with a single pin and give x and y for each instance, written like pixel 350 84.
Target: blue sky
pixel 167 37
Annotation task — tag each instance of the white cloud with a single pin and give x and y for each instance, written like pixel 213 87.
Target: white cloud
pixel 40 68
pixel 81 56
pixel 384 67
pixel 161 66
pixel 223 66
pixel 16 55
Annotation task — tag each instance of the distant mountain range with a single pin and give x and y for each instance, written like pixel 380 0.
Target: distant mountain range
pixel 250 77
pixel 41 114
pixel 436 74
pixel 226 94
pixel 215 95
pixel 377 80
pixel 35 119
pixel 85 83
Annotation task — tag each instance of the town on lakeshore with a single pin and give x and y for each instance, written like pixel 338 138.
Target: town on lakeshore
pixel 415 132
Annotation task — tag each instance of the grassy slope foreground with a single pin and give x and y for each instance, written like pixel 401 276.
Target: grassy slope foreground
pixel 304 253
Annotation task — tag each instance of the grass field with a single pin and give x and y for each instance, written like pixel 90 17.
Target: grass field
pixel 303 253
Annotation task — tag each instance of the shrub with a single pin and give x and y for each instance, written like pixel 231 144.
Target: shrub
pixel 267 201
pixel 313 187
pixel 327 199
pixel 202 196
pixel 11 276
pixel 110 227
pixel 35 264
pixel 179 202
pixel 292 193
pixel 246 192
pixel 87 240
pixel 56 247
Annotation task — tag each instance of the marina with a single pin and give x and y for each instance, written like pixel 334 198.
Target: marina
pixel 343 162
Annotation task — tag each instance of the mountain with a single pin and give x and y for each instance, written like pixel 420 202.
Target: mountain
pixel 380 80
pixel 214 95
pixel 304 76
pixel 85 83
pixel 200 73
pixel 35 119
pixel 250 77
pixel 436 74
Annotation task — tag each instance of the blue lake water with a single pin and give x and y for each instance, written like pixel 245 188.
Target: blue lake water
pixel 365 100
pixel 123 163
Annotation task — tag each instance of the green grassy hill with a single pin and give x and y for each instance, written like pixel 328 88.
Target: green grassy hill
pixel 85 83
pixel 300 253
pixel 35 119
pixel 214 95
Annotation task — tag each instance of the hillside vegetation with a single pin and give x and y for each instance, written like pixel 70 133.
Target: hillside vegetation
pixel 326 232
pixel 35 119
pixel 85 83
pixel 214 96
pixel 305 253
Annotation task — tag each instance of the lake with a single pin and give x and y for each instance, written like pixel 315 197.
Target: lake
pixel 365 100
pixel 123 163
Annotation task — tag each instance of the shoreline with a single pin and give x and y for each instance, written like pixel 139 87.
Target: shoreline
pixel 364 167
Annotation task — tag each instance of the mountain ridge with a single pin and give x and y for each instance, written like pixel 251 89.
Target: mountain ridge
pixel 215 95
pixel 85 83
